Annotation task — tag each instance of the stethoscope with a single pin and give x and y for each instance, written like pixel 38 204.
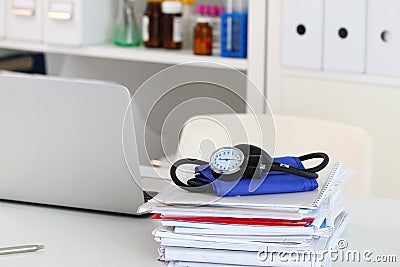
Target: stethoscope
pixel 243 161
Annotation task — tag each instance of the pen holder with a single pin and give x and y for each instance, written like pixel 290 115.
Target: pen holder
pixel 234 35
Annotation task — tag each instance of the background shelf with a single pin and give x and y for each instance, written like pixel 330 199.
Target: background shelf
pixel 140 54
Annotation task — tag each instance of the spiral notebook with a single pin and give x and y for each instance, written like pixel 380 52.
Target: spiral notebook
pixel 330 181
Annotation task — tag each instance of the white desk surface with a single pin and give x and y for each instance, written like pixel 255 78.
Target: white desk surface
pixel 77 238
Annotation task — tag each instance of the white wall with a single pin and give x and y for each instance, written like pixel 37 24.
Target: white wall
pixel 375 108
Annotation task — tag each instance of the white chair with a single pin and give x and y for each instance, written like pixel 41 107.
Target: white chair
pixel 292 135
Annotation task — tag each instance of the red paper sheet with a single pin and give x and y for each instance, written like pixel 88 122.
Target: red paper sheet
pixel 244 221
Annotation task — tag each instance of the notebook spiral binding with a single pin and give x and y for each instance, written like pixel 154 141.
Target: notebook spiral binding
pixel 327 185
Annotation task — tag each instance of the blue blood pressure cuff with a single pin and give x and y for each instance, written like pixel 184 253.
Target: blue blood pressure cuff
pixel 272 182
pixel 246 169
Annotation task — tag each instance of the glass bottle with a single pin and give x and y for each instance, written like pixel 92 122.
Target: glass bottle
pixel 202 37
pixel 151 24
pixel 188 17
pixel 172 24
pixel 126 32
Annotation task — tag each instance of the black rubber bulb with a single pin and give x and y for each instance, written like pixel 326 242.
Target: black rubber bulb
pixel 256 161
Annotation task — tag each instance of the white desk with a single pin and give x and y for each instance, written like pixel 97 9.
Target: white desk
pixel 76 238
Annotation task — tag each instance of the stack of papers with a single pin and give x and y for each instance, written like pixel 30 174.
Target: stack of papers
pixel 261 230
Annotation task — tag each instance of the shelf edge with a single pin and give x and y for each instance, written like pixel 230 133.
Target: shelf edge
pixel 136 54
pixel 344 77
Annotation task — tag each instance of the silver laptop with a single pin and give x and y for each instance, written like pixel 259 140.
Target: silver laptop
pixel 61 143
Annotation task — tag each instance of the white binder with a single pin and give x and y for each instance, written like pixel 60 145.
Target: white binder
pixel 345 34
pixel 383 42
pixel 302 33
pixel 25 20
pixel 3 10
pixel 74 22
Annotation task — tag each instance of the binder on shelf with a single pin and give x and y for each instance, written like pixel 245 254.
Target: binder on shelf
pixel 3 10
pixel 24 62
pixel 383 57
pixel 24 20
pixel 345 35
pixel 78 22
pixel 302 34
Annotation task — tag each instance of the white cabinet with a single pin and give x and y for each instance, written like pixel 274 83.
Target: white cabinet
pixel 132 66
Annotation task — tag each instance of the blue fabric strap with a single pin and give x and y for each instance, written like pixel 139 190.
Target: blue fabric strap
pixel 272 183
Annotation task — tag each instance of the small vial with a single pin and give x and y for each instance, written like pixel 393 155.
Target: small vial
pixel 151 24
pixel 202 37
pixel 172 24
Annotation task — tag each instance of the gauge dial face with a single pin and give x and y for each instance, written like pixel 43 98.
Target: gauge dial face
pixel 226 160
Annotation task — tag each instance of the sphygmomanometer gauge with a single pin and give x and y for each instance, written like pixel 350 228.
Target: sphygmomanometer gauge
pixel 227 160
